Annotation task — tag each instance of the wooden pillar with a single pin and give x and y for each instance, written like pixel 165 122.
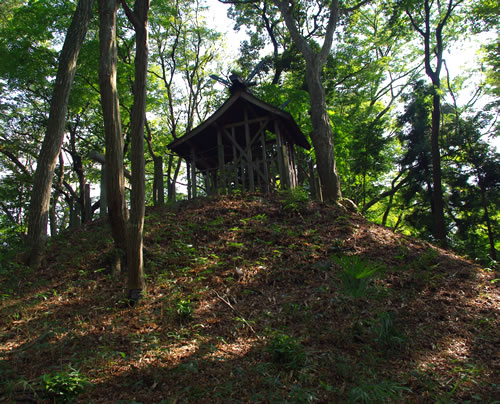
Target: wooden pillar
pixel 235 156
pixel 193 173
pixel 272 167
pixel 249 156
pixel 242 161
pixel 293 168
pixel 206 181
pixel 158 191
pixel 264 160
pixel 286 164
pixel 188 175
pixel 222 168
pixel 282 163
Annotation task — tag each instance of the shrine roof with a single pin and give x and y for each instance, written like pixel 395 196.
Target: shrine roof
pixel 231 113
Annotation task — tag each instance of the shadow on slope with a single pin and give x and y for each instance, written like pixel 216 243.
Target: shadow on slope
pixel 225 278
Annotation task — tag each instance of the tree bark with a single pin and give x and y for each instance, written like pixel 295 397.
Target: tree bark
pixel 322 135
pixel 117 208
pixel 139 18
pixel 437 195
pixel 51 146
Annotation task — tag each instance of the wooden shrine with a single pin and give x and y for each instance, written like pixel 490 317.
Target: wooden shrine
pixel 246 144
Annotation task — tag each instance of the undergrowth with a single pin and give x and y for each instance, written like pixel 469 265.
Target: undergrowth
pixel 251 299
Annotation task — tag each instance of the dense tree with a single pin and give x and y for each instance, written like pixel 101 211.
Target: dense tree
pixel 51 146
pixel 417 158
pixel 474 179
pixel 365 77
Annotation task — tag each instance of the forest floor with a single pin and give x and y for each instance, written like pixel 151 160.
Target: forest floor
pixel 269 300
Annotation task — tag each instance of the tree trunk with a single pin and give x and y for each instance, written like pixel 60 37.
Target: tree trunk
pixel 139 18
pixel 437 195
pixel 171 192
pixel 117 208
pixel 322 135
pixel 435 50
pixel 158 189
pixel 53 216
pixel 51 146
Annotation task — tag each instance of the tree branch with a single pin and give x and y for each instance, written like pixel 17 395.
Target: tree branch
pixel 15 160
pixel 355 7
pixel 130 15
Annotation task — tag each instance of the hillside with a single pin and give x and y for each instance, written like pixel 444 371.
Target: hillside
pixel 252 300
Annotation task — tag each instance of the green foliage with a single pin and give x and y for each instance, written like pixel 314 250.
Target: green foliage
pixel 184 309
pixel 384 391
pixel 64 386
pixel 388 336
pixel 294 200
pixel 286 351
pixel 356 274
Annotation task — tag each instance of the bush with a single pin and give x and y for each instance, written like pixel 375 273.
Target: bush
pixel 286 351
pixel 184 309
pixel 356 274
pixel 64 386
pixel 294 200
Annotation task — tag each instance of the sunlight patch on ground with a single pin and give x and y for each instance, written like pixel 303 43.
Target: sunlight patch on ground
pixel 240 347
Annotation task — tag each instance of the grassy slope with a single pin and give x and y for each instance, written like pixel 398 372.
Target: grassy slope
pixel 425 329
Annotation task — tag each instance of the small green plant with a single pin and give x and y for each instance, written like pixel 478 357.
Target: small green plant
pixel 356 274
pixel 287 351
pixel 64 386
pixel 294 200
pixel 387 333
pixel 377 392
pixel 235 244
pixel 184 309
pixel 299 394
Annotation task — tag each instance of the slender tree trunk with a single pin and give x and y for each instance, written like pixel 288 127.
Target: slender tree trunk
pixel 172 188
pixel 437 195
pixel 51 146
pixel 393 190
pixel 322 135
pixel 52 216
pixel 158 189
pixel 435 51
pixel 139 18
pixel 117 208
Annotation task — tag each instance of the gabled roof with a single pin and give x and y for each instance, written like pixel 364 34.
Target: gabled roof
pixel 204 136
